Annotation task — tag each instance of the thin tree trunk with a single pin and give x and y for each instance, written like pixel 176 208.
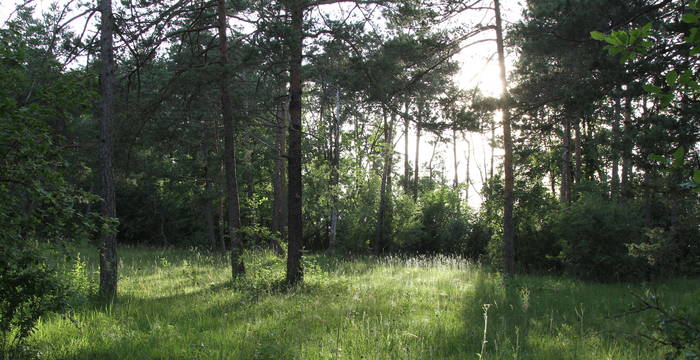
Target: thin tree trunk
pixel 627 150
pixel 454 156
pixel 108 251
pixel 493 147
pixel 615 178
pixel 406 170
pixel 508 231
pixel 416 177
pixel 384 213
pixel 468 179
pixel 208 205
pixel 279 195
pixel 566 162
pixel 577 152
pixel 295 272
pixel 335 176
pixel 432 157
pixel 234 217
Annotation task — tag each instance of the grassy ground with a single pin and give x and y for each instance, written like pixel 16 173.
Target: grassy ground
pixel 176 304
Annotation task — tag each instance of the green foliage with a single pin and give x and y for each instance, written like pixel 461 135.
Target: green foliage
pixel 595 234
pixel 40 211
pixel 437 223
pixel 29 289
pixel 673 327
pixel 534 212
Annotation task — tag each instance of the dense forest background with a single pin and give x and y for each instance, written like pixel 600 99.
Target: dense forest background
pixel 235 125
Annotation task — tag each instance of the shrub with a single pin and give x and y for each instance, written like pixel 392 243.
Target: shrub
pixel 595 234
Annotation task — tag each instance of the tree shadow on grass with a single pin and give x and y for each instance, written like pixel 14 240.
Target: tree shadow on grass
pixel 542 318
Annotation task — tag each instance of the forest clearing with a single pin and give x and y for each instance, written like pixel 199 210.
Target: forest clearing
pixel 179 304
pixel 350 179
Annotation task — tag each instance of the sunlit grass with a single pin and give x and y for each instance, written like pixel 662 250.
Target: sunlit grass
pixel 177 304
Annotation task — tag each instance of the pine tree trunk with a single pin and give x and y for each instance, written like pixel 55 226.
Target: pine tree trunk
pixel 416 177
pixel 335 176
pixel 234 217
pixel 625 185
pixel 565 194
pixel 578 143
pixel 279 195
pixel 384 214
pixel 108 251
pixel 295 272
pixel 406 170
pixel 615 178
pixel 508 231
pixel 454 156
pixel 208 206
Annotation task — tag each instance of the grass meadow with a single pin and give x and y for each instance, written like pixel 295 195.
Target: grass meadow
pixel 179 304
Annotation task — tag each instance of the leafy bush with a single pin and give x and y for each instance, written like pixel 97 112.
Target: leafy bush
pixel 29 289
pixel 595 234
pixel 534 211
pixel 39 209
pixel 438 223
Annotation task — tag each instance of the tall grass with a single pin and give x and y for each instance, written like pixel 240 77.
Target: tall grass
pixel 177 304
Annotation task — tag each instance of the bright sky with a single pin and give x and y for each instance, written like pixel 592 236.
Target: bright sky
pixel 476 70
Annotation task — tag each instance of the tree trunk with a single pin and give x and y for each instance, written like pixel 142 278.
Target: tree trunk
pixel 508 231
pixel 108 251
pixel 627 150
pixel 432 157
pixel 208 205
pixel 295 272
pixel 577 152
pixel 454 156
pixel 565 194
pixel 406 170
pixel 384 214
pixel 615 178
pixel 234 217
pixel 468 179
pixel 279 201
pixel 416 177
pixel 335 176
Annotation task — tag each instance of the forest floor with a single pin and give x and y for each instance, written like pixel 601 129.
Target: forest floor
pixel 178 304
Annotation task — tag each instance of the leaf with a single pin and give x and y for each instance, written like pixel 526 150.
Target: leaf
pixel 650 88
pixel 671 78
pixel 696 176
pixel 689 18
pixel 597 35
pixel 678 157
pixel 665 99
pixel 659 158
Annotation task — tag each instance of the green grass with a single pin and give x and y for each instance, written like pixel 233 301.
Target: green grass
pixel 176 304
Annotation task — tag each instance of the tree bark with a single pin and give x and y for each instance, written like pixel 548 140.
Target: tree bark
pixel 295 272
pixel 108 251
pixel 578 144
pixel 615 178
pixel 279 188
pixel 234 217
pixel 565 193
pixel 416 177
pixel 468 179
pixel 384 214
pixel 208 205
pixel 335 176
pixel 508 231
pixel 406 170
pixel 625 185
pixel 454 156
